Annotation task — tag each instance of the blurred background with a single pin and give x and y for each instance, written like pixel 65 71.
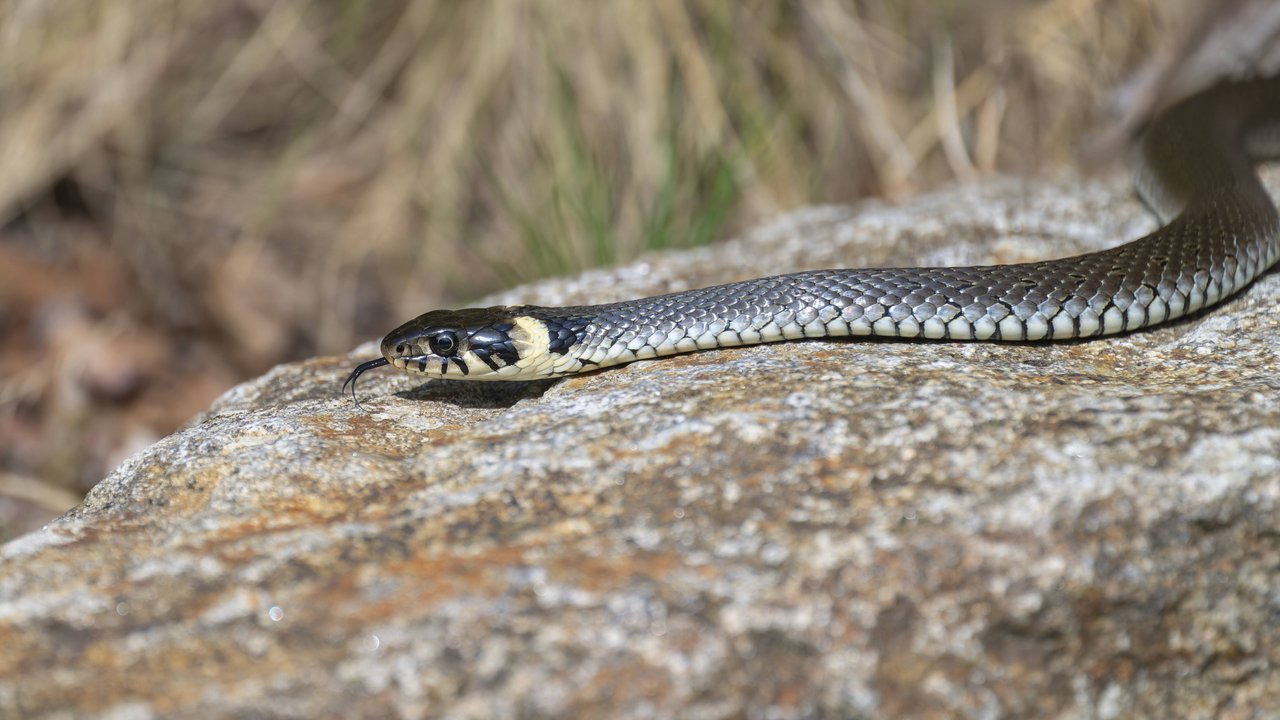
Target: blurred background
pixel 192 192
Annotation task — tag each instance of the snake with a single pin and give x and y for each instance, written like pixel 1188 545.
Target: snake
pixel 1194 170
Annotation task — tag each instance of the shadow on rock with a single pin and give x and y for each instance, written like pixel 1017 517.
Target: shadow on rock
pixel 478 395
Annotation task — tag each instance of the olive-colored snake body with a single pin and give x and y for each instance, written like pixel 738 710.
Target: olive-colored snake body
pixel 1195 171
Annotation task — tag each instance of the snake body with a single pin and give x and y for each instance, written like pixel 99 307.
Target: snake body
pixel 1219 232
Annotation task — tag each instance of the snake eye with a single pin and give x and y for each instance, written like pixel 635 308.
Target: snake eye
pixel 444 344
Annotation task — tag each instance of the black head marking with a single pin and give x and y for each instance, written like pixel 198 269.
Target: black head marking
pixel 563 334
pixel 487 357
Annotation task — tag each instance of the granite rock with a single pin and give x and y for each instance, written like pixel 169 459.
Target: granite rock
pixel 819 529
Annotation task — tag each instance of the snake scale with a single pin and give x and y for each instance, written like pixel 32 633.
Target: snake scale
pixel 1195 171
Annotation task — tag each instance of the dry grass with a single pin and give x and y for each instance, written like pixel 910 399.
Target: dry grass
pixel 263 180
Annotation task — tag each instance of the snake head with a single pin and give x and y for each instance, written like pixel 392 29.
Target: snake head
pixel 523 342
pixel 477 343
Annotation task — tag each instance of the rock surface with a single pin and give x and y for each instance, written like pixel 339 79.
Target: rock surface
pixel 840 529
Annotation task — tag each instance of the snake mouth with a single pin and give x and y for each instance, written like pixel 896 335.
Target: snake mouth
pixel 430 364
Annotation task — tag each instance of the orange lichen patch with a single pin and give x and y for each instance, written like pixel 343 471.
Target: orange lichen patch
pixel 673 447
pixel 844 471
pixel 425 580
pixel 191 670
pixel 370 433
pixel 622 685
pixel 233 534
pixel 238 541
pixel 102 657
pixel 19 644
pixel 612 572
pixel 356 426
pixel 429 576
